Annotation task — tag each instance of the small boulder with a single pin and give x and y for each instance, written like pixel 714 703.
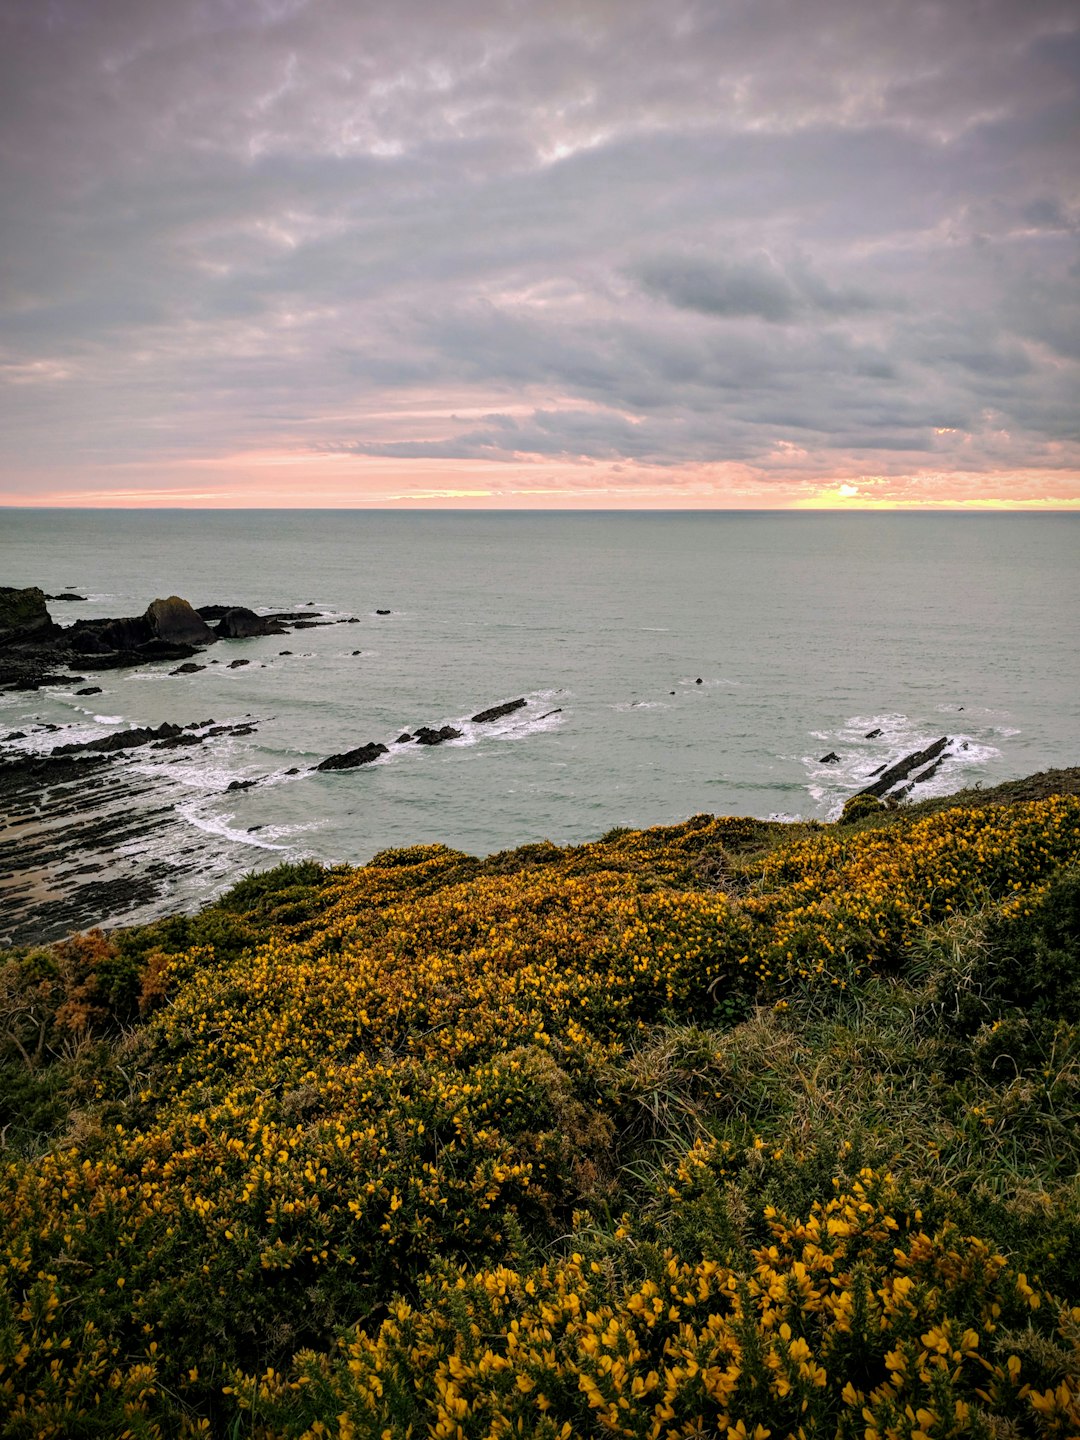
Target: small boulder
pixel 237 664
pixel 188 668
pixel 830 759
pixel 90 690
pixel 382 612
pixel 872 734
pixel 403 739
pixel 174 621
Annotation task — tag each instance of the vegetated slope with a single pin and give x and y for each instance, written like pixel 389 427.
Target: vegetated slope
pixel 725 1128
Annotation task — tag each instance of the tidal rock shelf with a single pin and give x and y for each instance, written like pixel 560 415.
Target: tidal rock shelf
pixel 85 837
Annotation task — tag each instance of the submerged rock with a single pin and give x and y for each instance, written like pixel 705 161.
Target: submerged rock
pixel 872 734
pixel 188 668
pixel 830 759
pixel 240 623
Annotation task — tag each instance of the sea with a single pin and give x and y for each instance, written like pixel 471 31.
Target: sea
pixel 673 664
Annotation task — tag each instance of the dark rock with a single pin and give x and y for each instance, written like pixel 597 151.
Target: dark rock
pixel 498 711
pixel 352 620
pixel 284 652
pixel 90 690
pixel 242 624
pixel 290 617
pixel 425 735
pixel 871 734
pixel 294 771
pixel 212 612
pixel 350 759
pixel 559 711
pixel 903 768
pixel 929 772
pixel 15 735
pixel 66 596
pixel 120 740
pixel 188 668
pixel 403 739
pixel 699 681
pixel 830 759
pixel 176 742
pixel 240 785
pixel 307 624
pixel 357 652
pixel 382 612
pixel 237 664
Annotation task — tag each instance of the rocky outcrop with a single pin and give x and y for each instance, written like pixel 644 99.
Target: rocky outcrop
pixel 830 759
pixel 350 759
pixel 428 736
pixel 498 711
pixel 32 645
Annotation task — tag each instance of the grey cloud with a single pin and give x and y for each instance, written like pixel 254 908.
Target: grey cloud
pixel 751 287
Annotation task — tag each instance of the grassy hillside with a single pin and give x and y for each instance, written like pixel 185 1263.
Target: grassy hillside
pixel 728 1128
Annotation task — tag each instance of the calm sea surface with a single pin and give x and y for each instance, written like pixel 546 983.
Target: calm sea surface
pixel 806 631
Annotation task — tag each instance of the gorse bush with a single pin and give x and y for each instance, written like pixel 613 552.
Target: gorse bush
pixel 700 1130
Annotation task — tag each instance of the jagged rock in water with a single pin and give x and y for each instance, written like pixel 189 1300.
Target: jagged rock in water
pixel 903 768
pixel 830 759
pixel 350 759
pixel 498 711
pixel 872 734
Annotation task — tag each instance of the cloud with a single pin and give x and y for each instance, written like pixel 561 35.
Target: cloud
pixel 705 234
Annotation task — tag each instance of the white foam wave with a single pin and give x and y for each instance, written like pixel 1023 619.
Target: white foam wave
pixel 215 825
pixel 866 745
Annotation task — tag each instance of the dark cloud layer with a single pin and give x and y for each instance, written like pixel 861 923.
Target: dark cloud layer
pixel 825 237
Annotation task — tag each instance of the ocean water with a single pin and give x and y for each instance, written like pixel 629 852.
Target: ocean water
pixel 805 631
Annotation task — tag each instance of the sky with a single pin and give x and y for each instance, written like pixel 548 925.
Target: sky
pixel 614 253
